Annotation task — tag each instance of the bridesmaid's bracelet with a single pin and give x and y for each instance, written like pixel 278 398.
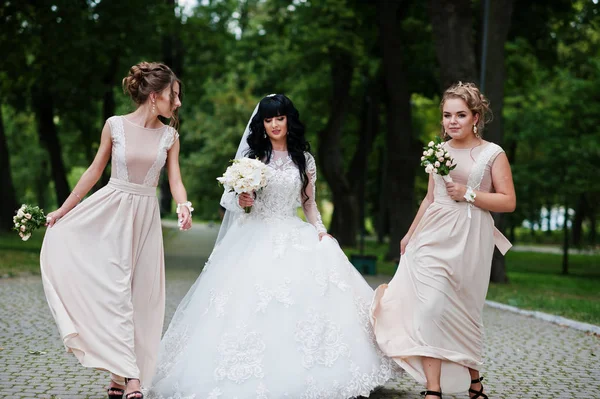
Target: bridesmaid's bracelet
pixel 470 195
pixel 74 193
pixel 187 205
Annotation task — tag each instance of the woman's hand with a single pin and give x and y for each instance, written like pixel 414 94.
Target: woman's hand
pixel 246 199
pixel 456 191
pixel 53 217
pixel 404 243
pixel 185 218
pixel 321 235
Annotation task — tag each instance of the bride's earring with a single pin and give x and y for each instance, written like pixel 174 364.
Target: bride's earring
pixel 153 107
pixel 475 131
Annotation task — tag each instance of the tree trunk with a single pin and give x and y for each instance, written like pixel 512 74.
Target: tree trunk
pixel 173 57
pixel 330 155
pixel 402 152
pixel 580 214
pixel 452 25
pixel 382 225
pixel 44 113
pixel 8 198
pixel 565 260
pixel 500 16
pixel 358 171
pixel 593 229
pixel 108 105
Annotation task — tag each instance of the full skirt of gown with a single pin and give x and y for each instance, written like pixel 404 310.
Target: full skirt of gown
pixel 276 313
pixel 432 307
pixel 102 268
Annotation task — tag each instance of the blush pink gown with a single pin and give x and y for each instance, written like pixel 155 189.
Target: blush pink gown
pixel 102 264
pixel 433 305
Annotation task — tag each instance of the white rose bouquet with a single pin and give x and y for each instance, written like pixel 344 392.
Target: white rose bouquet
pixel 27 219
pixel 436 159
pixel 244 175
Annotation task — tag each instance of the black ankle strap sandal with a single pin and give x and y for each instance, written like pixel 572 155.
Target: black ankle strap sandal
pixel 478 394
pixel 132 395
pixel 117 393
pixel 432 393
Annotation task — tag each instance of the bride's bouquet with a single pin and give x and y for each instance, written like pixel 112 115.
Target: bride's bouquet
pixel 244 175
pixel 28 219
pixel 436 159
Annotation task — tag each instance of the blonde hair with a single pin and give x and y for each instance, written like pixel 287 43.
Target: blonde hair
pixel 150 77
pixel 475 100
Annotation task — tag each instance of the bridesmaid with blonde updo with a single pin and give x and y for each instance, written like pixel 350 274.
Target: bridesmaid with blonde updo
pixel 102 261
pixel 429 317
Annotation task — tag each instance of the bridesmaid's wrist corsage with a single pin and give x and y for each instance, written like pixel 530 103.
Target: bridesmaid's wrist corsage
pixel 470 195
pixel 187 205
pixel 470 198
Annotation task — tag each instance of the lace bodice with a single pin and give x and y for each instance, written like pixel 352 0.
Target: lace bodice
pixel 138 153
pixel 283 193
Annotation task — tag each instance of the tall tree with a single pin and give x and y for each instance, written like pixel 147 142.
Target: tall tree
pixel 172 49
pixel 8 202
pixel 500 14
pixel 401 148
pixel 452 25
pixel 330 156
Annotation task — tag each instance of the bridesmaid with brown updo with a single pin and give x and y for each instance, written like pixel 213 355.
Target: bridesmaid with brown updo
pixel 429 318
pixel 102 261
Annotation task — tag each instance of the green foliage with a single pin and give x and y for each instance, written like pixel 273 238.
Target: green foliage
pixel 217 135
pixel 536 283
pixel 235 52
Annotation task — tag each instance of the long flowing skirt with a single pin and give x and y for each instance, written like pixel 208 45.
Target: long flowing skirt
pixel 275 314
pixel 433 306
pixel 102 268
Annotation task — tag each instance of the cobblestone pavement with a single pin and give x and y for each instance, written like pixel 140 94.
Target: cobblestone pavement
pixel 525 357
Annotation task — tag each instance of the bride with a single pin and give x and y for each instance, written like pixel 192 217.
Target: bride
pixel 278 311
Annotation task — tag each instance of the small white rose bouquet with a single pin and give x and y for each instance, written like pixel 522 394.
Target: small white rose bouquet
pixel 27 219
pixel 244 175
pixel 436 159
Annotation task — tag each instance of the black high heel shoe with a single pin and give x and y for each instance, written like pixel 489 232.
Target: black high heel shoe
pixel 131 395
pixel 115 395
pixel 478 394
pixel 433 393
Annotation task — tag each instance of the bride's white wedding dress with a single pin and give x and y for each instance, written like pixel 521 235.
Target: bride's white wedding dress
pixel 276 313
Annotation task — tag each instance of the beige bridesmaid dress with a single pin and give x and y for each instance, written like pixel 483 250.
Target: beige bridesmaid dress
pixel 433 305
pixel 102 264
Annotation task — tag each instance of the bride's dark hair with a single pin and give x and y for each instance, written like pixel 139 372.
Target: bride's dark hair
pixel 260 144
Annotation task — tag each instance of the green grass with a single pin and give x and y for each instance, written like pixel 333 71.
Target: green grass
pixel 535 282
pixel 20 258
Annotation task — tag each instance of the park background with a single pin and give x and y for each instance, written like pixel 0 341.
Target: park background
pixel 367 78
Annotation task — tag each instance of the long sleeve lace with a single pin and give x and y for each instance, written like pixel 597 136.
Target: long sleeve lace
pixel 310 205
pixel 230 202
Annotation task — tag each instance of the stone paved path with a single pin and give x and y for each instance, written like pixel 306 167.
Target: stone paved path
pixel 525 357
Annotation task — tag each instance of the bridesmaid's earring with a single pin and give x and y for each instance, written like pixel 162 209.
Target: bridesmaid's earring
pixel 265 135
pixel 153 107
pixel 475 131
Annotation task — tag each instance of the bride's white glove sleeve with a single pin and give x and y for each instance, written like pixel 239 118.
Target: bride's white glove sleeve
pixel 310 205
pixel 229 201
